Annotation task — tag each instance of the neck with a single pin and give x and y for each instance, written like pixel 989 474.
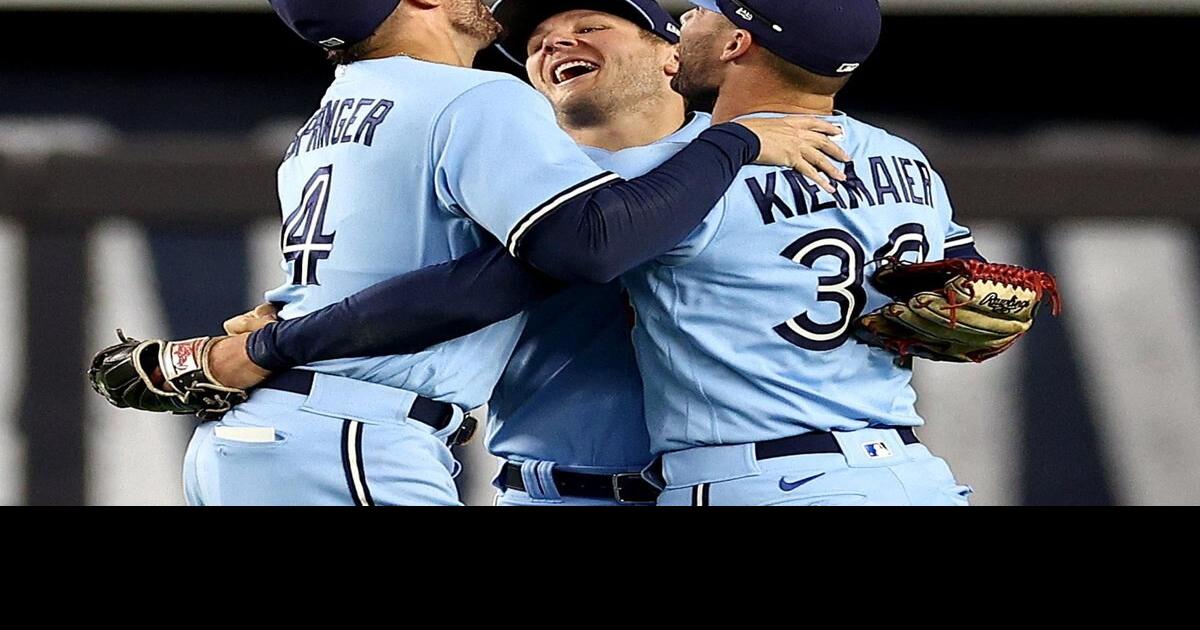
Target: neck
pixel 746 93
pixel 437 45
pixel 651 121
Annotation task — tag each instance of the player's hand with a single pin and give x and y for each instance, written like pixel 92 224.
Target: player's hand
pixel 251 321
pixel 229 362
pixel 160 375
pixel 804 143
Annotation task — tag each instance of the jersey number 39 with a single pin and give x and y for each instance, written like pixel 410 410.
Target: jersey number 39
pixel 846 287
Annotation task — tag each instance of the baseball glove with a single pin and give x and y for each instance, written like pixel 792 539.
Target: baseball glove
pixel 956 310
pixel 164 376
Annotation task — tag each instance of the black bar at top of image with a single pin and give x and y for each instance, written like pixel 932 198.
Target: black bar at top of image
pixel 233 71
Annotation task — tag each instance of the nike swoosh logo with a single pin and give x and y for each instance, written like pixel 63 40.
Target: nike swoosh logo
pixel 788 486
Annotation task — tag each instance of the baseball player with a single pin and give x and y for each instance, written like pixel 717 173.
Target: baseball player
pixel 567 415
pixel 762 395
pixel 755 390
pixel 414 159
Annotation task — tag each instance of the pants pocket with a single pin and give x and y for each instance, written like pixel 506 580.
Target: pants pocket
pixel 247 437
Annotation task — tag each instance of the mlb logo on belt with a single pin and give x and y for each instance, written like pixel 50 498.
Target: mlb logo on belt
pixel 877 450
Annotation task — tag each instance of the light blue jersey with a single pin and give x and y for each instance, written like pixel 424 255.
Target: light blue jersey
pixel 572 393
pixel 404 166
pixel 744 330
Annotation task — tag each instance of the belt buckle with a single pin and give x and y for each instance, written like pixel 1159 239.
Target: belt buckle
pixel 464 432
pixel 617 489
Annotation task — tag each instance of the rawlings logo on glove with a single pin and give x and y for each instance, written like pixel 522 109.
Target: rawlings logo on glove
pixel 162 376
pixel 954 310
pixel 1004 306
pixel 184 354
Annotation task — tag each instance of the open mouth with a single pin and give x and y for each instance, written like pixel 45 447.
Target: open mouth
pixel 573 69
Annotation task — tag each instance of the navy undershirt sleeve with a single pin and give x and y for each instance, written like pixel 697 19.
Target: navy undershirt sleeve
pixel 599 236
pixel 593 238
pixel 408 313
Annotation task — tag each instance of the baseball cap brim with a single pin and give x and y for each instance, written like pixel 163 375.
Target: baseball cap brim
pixel 521 17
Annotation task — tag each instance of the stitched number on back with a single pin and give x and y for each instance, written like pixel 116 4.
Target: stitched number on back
pixel 844 289
pixel 909 237
pixel 304 240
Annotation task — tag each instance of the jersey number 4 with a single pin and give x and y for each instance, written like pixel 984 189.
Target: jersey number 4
pixel 304 240
pixel 844 288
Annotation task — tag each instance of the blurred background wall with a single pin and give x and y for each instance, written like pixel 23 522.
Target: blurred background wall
pixel 138 141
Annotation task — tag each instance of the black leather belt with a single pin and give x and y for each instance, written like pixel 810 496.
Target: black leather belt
pixel 431 412
pixel 624 487
pixel 814 443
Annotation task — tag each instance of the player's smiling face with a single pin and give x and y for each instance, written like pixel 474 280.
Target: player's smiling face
pixel 588 61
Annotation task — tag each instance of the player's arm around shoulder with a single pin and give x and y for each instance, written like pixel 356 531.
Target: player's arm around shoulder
pixel 803 143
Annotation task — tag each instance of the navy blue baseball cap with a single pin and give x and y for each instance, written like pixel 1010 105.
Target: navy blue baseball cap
pixel 521 17
pixel 828 37
pixel 334 24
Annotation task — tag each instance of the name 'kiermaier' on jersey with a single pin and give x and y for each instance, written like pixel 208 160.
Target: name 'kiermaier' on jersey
pixel 743 330
pixel 406 164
